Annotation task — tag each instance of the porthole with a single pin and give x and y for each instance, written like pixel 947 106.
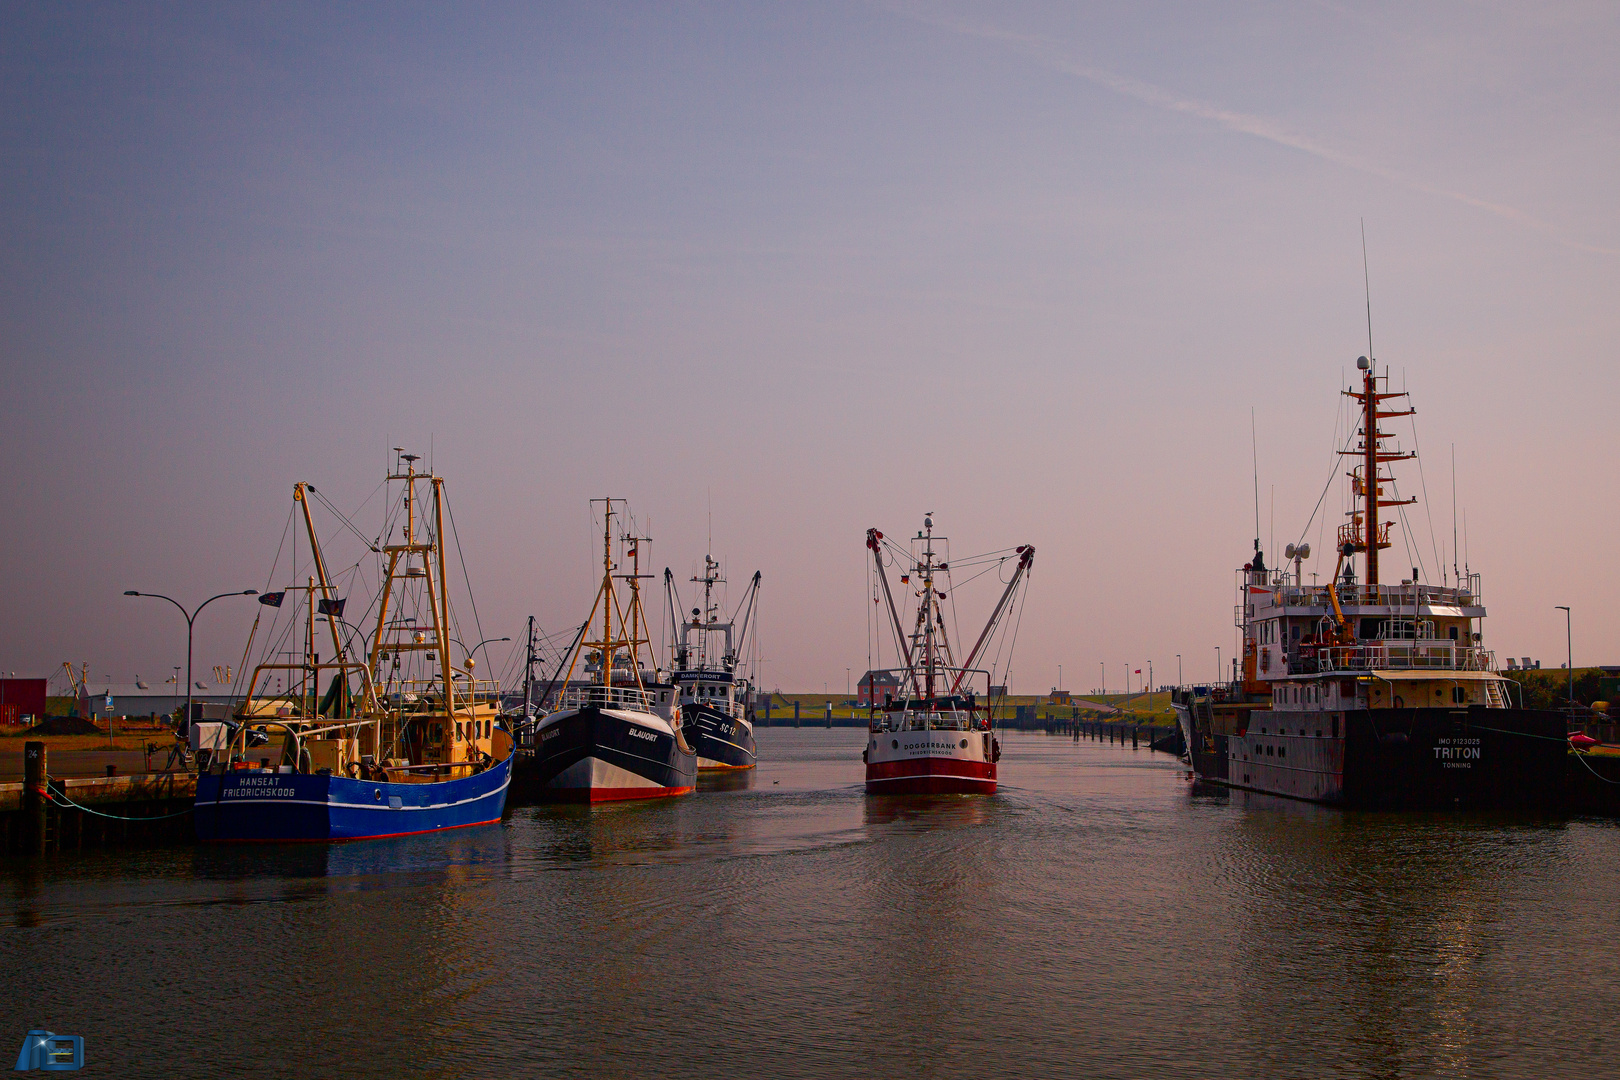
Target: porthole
pixel 895 743
pixel 376 793
pixel 964 744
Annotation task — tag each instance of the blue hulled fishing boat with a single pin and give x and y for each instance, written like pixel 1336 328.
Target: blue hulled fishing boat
pixel 405 741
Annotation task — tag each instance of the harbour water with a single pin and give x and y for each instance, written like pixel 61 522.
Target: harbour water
pixel 1099 917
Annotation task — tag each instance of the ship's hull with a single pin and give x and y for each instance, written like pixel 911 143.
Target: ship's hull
pixel 255 805
pixel 596 754
pixel 1481 758
pixel 931 763
pixel 722 742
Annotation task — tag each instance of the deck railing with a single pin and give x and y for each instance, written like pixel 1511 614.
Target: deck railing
pixel 610 697
pixel 942 720
pixel 1393 596
pixel 1431 655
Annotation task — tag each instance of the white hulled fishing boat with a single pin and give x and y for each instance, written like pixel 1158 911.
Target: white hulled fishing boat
pixel 936 737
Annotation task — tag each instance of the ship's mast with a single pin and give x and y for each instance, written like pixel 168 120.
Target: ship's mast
pixel 928 606
pixel 1365 533
pixel 607 601
pixel 710 578
pixel 1369 427
pixel 607 646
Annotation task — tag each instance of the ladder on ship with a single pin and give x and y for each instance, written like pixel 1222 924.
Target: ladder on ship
pixel 1494 698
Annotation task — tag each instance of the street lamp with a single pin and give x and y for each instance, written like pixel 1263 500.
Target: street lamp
pixel 1217 663
pixel 1104 667
pixel 1178 670
pixel 1569 656
pixel 480 645
pixel 191 619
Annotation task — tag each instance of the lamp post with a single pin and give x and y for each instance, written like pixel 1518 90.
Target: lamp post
pixel 1104 667
pixel 1569 656
pixel 1149 686
pixel 480 645
pixel 1178 669
pixel 191 619
pixel 365 638
pixel 1217 663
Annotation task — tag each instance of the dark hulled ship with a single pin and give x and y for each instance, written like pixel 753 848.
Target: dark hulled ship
pixel 617 734
pixel 714 698
pixel 1365 693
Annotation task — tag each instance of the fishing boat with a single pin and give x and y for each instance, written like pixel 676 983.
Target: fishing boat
pixel 403 741
pixel 1362 692
pixel 617 734
pixel 713 696
pixel 936 737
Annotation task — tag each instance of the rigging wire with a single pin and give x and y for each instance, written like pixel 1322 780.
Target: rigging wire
pixel 462 558
pixel 1427 506
pixel 1326 487
pixel 335 512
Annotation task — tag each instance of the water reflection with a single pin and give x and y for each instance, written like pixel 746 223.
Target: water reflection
pixel 727 780
pixel 1098 919
pixel 1376 924
pixel 929 811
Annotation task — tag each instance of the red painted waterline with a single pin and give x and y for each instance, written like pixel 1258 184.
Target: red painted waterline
pixel 977 770
pixel 931 776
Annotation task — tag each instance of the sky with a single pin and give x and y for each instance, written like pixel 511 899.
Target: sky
pixel 1082 276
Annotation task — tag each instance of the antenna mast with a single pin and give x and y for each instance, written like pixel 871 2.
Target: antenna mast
pixel 1254 449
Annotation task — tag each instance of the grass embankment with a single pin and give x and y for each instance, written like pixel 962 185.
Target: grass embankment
pixel 1548 688
pixel 1151 708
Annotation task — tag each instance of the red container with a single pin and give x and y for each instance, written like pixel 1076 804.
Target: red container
pixel 20 698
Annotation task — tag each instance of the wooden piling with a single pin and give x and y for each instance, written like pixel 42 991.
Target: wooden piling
pixel 34 802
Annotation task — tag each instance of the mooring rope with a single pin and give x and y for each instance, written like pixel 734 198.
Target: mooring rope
pixel 1580 755
pixel 61 797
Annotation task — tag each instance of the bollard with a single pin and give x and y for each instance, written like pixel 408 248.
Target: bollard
pixel 829 715
pixel 34 797
pixel 1133 738
pixel 112 770
pixel 768 711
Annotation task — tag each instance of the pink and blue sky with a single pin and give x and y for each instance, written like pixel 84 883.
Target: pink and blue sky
pixel 816 267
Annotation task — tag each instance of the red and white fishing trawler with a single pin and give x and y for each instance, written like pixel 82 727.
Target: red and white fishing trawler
pixel 936 739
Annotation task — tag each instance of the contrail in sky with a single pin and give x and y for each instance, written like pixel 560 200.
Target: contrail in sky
pixel 1048 53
